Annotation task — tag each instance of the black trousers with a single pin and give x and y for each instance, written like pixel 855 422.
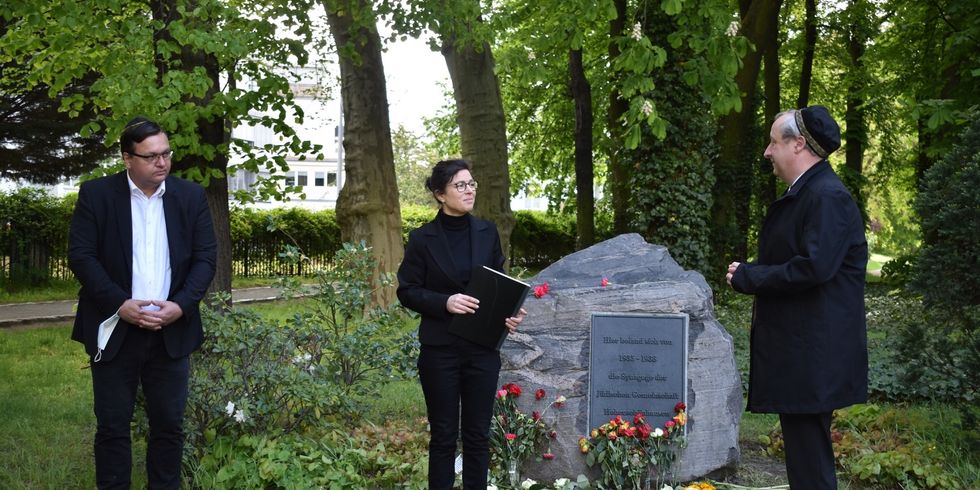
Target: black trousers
pixel 459 379
pixel 809 451
pixel 141 360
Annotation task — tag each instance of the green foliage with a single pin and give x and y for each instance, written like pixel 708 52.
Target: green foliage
pixel 167 63
pixel 539 239
pixel 34 233
pixel 368 457
pixel 902 448
pixel 413 162
pixel 255 377
pixel 945 272
pixel 672 175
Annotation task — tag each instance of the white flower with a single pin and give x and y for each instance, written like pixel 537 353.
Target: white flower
pixel 531 56
pixel 637 32
pixel 240 416
pixel 230 408
pixel 302 359
pixel 658 432
pixel 667 487
pixel 561 399
pixel 491 486
pixel 526 484
pixel 647 108
pixel 732 28
pixel 561 482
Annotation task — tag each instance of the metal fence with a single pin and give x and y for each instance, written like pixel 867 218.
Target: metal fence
pixel 27 262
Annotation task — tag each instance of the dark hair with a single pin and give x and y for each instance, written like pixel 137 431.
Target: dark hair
pixel 136 131
pixel 443 173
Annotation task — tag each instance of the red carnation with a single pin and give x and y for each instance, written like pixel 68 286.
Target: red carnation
pixel 536 415
pixel 548 456
pixel 604 282
pixel 669 424
pixel 539 394
pixel 510 436
pixel 512 389
pixel 680 406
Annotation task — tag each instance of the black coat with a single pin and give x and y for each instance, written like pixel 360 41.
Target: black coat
pixel 100 253
pixel 427 276
pixel 808 343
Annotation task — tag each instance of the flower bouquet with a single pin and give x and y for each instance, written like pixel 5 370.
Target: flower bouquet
pixel 629 453
pixel 515 436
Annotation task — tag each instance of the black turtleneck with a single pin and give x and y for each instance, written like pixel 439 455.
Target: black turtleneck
pixel 457 229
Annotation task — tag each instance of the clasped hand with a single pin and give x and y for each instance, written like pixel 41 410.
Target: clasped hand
pixel 461 304
pixel 135 311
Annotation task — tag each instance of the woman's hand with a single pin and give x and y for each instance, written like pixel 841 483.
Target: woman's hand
pixel 460 303
pixel 514 321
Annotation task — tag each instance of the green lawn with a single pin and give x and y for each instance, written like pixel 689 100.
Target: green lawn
pixel 47 429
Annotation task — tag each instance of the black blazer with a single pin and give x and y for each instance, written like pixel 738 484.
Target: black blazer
pixel 427 276
pixel 100 253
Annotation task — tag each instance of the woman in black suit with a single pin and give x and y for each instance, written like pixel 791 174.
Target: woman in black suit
pixel 456 374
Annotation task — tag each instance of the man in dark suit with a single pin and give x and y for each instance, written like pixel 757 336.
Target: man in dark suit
pixel 142 246
pixel 809 353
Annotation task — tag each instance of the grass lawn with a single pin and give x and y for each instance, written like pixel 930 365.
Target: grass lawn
pixel 47 429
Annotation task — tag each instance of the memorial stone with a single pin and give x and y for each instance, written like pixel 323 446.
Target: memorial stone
pixel 552 351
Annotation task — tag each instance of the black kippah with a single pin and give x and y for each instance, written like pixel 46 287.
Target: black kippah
pixel 819 129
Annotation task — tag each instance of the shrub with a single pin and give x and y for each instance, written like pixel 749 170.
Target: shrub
pixel 541 239
pixel 945 271
pixel 256 378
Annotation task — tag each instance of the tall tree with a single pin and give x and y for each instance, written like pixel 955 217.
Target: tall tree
pixel 809 48
pixel 367 207
pixel 465 45
pixel 857 26
pixel 618 107
pixel 581 94
pixel 734 168
pixel 40 144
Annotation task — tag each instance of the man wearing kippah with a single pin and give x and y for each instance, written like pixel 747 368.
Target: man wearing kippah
pixel 809 353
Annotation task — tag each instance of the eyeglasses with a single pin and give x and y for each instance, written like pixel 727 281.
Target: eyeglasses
pixel 461 186
pixel 166 156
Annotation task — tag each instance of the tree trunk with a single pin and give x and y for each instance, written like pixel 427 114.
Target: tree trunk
pixel 809 46
pixel 772 107
pixel 367 206
pixel 482 131
pixel 212 133
pixel 855 134
pixel 581 93
pixel 733 171
pixel 618 106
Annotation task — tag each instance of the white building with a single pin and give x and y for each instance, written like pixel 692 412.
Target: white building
pixel 320 180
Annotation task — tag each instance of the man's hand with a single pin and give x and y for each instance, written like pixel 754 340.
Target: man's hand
pixel 132 312
pixel 731 271
pixel 168 313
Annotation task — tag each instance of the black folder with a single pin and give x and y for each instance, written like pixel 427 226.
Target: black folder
pixel 501 297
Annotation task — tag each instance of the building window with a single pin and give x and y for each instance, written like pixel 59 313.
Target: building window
pixel 301 179
pixel 318 179
pixel 332 178
pixel 290 179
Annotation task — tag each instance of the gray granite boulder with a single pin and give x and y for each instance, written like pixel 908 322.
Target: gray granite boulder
pixel 551 350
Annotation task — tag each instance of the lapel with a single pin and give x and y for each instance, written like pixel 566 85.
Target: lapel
pixel 124 220
pixel 171 215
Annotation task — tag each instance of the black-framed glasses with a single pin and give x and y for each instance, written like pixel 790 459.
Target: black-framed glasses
pixel 461 186
pixel 166 156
